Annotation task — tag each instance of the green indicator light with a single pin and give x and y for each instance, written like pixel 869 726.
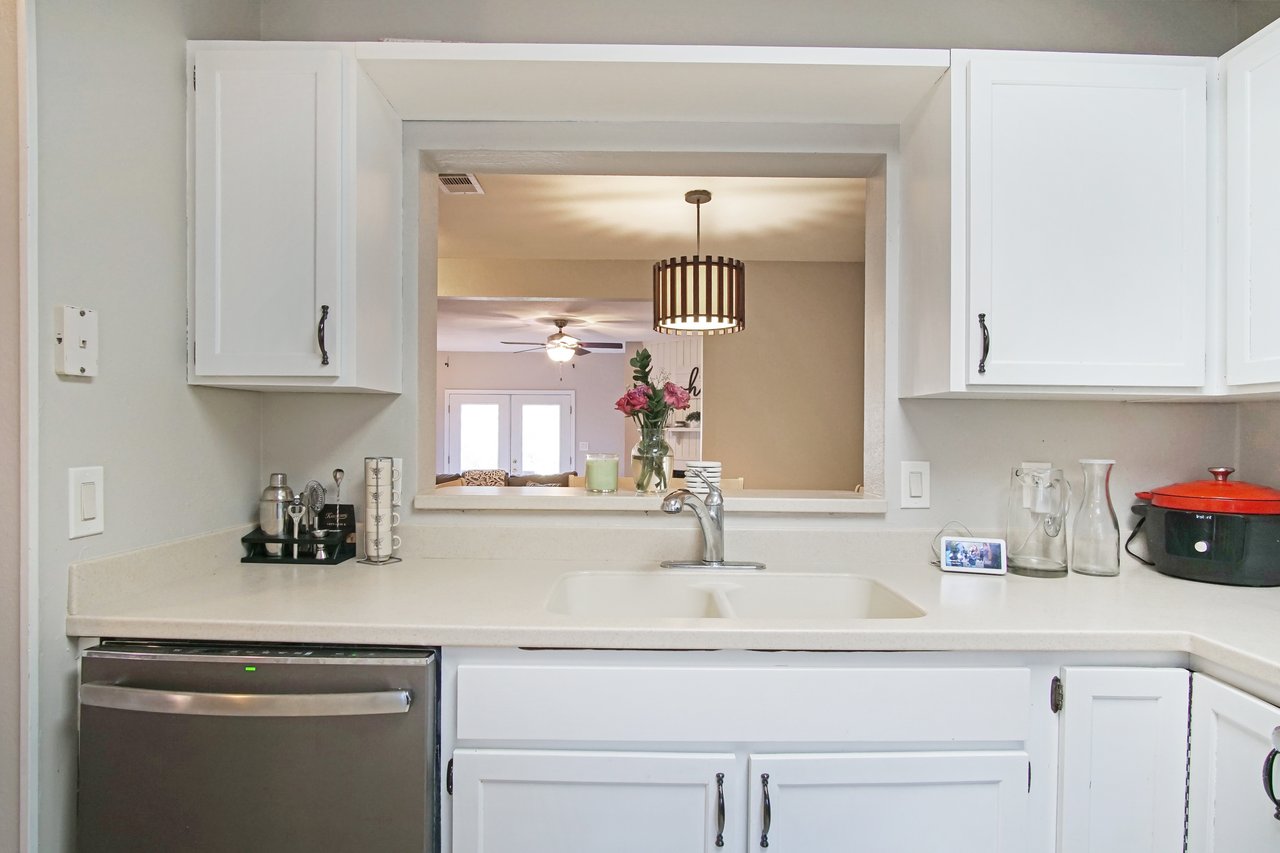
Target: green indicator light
pixel 250 669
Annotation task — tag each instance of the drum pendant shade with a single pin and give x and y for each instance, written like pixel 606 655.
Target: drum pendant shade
pixel 699 295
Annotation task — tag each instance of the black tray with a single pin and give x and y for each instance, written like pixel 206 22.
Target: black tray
pixel 335 543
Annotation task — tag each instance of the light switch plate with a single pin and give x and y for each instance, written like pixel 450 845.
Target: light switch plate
pixel 915 485
pixel 85 502
pixel 75 341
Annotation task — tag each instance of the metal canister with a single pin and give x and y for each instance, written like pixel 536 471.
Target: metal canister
pixel 271 510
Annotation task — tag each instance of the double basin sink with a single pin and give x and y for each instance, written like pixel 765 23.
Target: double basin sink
pixel 684 594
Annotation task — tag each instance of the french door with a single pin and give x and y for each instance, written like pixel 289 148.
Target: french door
pixel 526 432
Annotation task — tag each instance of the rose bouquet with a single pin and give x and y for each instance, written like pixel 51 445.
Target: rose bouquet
pixel 650 407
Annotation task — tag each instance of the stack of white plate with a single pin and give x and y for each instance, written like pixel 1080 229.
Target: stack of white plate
pixel 694 483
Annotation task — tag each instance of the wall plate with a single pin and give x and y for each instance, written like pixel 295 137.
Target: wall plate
pixel 75 341
pixel 85 504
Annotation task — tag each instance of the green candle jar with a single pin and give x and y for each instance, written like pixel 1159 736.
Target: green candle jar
pixel 602 473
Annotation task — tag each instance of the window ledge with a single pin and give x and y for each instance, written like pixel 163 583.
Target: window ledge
pixel 553 499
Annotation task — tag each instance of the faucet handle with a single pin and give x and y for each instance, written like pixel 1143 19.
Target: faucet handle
pixel 713 491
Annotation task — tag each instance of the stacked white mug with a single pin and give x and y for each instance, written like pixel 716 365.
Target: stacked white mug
pixel 382 496
pixel 694 483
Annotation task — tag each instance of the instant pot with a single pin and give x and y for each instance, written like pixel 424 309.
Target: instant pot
pixel 1217 531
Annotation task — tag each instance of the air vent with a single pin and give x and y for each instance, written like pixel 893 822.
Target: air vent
pixel 461 184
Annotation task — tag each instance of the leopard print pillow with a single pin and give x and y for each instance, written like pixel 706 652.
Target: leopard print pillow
pixel 484 477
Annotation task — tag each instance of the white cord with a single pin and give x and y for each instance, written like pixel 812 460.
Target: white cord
pixel 936 546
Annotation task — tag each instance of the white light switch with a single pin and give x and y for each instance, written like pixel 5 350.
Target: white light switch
pixel 582 446
pixel 84 501
pixel 915 485
pixel 76 341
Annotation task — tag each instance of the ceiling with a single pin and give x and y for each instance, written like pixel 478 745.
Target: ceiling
pixel 619 217
pixel 479 325
pixel 626 217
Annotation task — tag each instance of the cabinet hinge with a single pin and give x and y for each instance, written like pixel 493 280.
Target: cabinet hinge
pixel 448 778
pixel 1057 695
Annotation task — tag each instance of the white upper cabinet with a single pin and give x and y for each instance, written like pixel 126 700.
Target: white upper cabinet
pixel 1252 76
pixel 1229 806
pixel 1087 231
pixel 295 161
pixel 1055 226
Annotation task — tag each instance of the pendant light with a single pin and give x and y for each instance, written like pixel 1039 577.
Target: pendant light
pixel 699 295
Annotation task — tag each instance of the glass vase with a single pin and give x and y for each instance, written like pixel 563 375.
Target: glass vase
pixel 651 461
pixel 1095 549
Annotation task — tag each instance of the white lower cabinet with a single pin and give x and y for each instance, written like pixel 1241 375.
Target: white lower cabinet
pixel 1123 759
pixel 891 802
pixel 557 801
pixel 1228 807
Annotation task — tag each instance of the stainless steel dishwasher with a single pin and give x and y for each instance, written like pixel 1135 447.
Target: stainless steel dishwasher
pixel 215 747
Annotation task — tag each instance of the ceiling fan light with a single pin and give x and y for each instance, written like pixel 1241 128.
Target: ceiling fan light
pixel 560 354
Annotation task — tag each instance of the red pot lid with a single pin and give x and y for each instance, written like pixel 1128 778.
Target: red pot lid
pixel 1216 495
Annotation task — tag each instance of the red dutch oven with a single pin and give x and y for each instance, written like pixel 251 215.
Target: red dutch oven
pixel 1218 531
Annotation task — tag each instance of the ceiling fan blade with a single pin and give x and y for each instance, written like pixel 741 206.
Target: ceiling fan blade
pixel 581 351
pixel 600 345
pixel 538 348
pixel 523 343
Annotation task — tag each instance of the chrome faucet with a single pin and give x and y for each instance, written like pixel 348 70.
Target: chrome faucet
pixel 710 513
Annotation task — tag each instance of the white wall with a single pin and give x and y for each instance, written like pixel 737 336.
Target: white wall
pixel 597 381
pixel 112 229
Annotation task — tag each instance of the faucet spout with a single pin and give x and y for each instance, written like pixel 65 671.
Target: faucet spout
pixel 710 513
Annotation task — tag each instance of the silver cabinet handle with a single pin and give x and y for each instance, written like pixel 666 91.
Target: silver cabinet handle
pixel 103 695
pixel 768 811
pixel 719 809
pixel 986 343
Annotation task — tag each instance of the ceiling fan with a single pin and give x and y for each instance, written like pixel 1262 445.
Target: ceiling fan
pixel 561 346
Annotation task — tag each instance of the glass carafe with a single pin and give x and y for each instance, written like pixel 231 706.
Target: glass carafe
pixel 1095 550
pixel 1036 529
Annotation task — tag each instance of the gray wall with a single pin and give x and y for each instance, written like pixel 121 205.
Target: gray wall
pixel 111 103
pixel 1205 27
pixel 12 647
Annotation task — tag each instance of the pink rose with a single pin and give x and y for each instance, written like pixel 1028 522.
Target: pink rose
pixel 676 397
pixel 635 400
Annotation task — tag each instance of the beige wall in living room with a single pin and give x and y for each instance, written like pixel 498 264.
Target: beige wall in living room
pixel 791 382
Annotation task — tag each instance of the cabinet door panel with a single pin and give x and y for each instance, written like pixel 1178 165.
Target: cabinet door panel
pixel 1253 209
pixel 1228 809
pixel 893 802
pixel 528 801
pixel 1087 222
pixel 1123 762
pixel 267 163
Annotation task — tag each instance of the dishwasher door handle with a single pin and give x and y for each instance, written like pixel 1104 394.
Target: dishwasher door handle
pixel 106 695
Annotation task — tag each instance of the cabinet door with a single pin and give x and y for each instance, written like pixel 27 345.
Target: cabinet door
pixel 1252 74
pixel 267 247
pixel 1228 810
pixel 1087 222
pixel 526 801
pixel 1123 761
pixel 891 802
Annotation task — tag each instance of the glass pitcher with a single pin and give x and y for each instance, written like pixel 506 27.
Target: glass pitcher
pixel 1036 529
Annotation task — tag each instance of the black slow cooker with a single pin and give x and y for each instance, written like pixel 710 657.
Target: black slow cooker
pixel 1217 531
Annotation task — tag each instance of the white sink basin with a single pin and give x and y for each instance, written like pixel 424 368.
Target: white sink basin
pixel 711 595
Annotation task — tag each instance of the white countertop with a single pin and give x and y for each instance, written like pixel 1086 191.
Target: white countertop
pixel 166 593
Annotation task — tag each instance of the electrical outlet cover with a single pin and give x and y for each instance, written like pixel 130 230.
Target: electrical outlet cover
pixel 75 341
